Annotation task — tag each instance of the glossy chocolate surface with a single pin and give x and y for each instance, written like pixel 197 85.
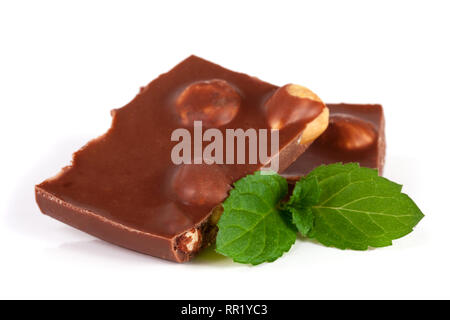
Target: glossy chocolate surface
pixel 355 134
pixel 124 188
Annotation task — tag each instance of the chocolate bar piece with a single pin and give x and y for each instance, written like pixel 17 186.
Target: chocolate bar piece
pixel 355 134
pixel 123 187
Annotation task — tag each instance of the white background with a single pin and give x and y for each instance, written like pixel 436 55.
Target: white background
pixel 65 64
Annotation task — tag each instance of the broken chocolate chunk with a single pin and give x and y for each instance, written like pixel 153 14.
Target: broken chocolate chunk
pixel 124 187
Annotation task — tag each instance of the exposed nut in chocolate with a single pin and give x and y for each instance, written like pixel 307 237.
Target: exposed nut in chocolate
pixel 316 127
pixel 349 134
pixel 190 241
pixel 200 184
pixel 214 102
pixel 302 92
pixel 294 103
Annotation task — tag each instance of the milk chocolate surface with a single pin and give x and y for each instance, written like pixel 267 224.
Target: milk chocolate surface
pixel 123 186
pixel 355 134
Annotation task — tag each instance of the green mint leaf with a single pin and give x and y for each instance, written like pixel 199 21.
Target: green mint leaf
pixel 252 229
pixel 303 219
pixel 358 209
pixel 306 193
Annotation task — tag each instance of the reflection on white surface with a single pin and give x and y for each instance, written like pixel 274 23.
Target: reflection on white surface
pixel 23 215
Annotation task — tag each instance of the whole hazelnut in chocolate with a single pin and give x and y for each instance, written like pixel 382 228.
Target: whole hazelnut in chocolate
pixel 214 102
pixel 347 133
pixel 200 184
pixel 296 104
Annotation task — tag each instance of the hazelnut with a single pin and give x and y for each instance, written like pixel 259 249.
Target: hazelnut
pixel 214 102
pixel 190 241
pixel 350 134
pixel 200 184
pixel 294 103
pixel 316 127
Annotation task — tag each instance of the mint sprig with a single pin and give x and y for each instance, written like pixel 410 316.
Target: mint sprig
pixel 252 229
pixel 358 209
pixel 344 206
